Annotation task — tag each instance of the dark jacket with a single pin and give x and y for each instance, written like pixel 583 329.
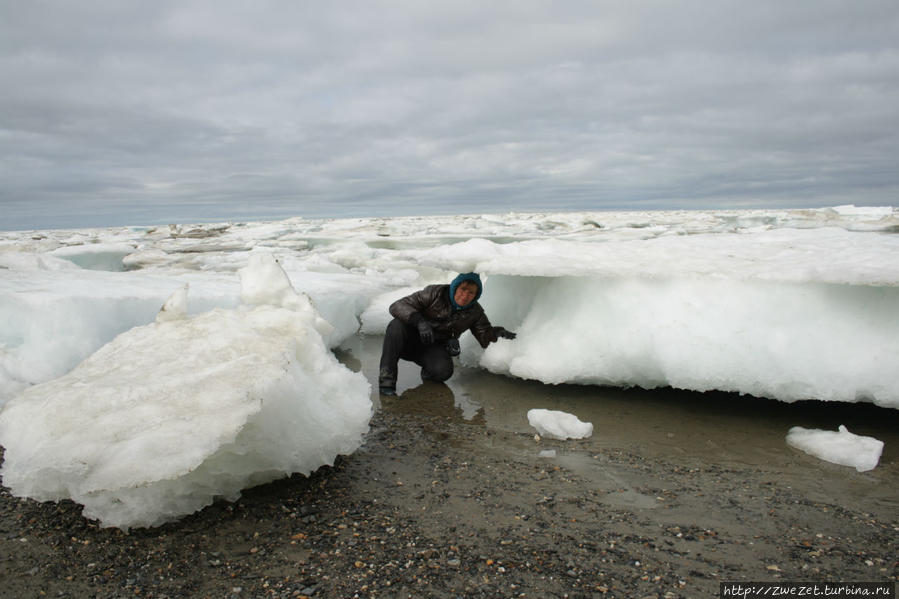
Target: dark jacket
pixel 434 304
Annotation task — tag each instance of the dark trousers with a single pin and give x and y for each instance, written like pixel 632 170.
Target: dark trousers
pixel 402 341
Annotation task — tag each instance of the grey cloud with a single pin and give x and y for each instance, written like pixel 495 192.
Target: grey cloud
pixel 217 109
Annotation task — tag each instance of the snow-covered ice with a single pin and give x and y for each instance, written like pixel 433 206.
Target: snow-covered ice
pixel 144 414
pixel 170 415
pixel 838 447
pixel 559 425
pixel 785 304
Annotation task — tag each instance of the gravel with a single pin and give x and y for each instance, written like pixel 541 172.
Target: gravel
pixel 434 505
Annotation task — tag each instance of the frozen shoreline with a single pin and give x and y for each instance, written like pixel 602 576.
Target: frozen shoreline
pixel 790 304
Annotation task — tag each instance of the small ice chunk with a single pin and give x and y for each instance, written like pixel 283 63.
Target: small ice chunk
pixel 840 447
pixel 559 425
pixel 174 308
pixel 548 453
pixel 264 282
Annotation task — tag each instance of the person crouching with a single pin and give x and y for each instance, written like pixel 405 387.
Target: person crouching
pixel 426 327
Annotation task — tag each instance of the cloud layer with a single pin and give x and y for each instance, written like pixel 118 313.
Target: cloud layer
pixel 116 113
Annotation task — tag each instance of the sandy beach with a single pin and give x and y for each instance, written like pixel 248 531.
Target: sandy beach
pixel 449 496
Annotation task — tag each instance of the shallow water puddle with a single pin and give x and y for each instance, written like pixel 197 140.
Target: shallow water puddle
pixel 708 430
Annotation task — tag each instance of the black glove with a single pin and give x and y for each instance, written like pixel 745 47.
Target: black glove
pixel 425 331
pixel 501 332
pixel 452 346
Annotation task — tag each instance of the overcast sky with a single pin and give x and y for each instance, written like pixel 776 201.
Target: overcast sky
pixel 125 112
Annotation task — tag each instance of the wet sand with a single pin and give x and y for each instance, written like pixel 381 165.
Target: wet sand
pixel 449 497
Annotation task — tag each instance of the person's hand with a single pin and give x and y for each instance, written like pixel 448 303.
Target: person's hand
pixel 501 332
pixel 425 331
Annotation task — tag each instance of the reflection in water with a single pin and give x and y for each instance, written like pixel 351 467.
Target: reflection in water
pixel 415 396
pixel 346 357
pixel 434 400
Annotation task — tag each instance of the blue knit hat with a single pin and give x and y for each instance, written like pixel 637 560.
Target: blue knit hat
pixel 467 276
